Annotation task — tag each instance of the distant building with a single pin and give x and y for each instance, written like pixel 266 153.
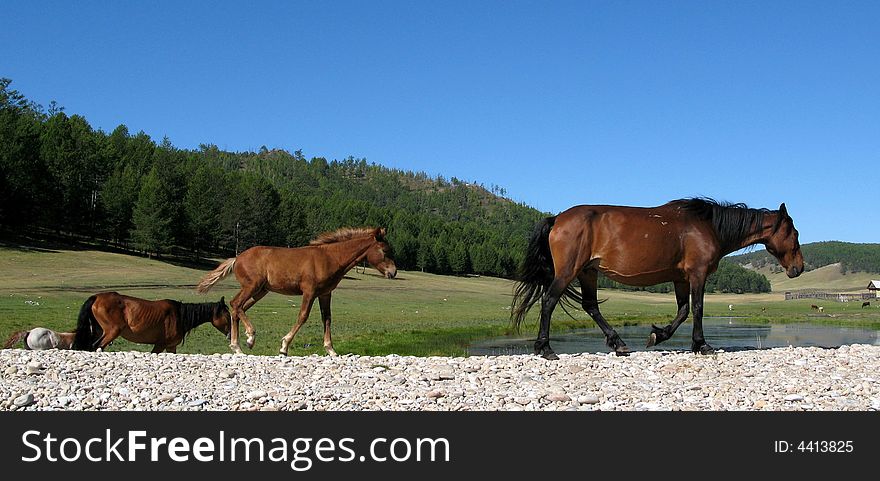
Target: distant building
pixel 875 287
pixel 831 296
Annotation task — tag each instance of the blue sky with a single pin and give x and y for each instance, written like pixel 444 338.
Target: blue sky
pixel 561 103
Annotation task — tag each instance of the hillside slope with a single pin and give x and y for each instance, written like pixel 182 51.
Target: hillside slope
pixel 851 257
pixel 829 277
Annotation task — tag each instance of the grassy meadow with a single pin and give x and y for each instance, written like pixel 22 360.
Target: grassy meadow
pixel 414 314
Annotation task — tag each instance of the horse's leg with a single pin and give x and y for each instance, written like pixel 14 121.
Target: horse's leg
pixel 236 304
pixel 233 323
pixel 109 335
pixel 96 344
pixel 97 333
pixel 699 344
pixel 307 300
pixel 682 296
pixel 548 303
pixel 248 327
pixel 324 303
pixel 171 349
pixel 567 262
pixel 157 348
pixel 590 303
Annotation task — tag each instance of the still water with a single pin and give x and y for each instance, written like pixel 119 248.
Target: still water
pixel 728 333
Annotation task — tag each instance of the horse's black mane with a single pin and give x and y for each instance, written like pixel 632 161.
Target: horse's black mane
pixel 732 222
pixel 192 315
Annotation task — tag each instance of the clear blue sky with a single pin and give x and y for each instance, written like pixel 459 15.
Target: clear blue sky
pixel 561 103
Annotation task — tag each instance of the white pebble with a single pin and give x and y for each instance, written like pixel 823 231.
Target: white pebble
pixel 768 379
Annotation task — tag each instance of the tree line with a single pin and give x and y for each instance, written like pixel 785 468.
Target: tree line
pixel 59 175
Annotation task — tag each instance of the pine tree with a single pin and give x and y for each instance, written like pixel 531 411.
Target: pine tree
pixel 292 222
pixel 152 216
pixel 118 198
pixel 251 212
pixel 459 261
pixel 441 254
pixel 405 248
pixel 202 208
pixel 425 254
pixel 23 182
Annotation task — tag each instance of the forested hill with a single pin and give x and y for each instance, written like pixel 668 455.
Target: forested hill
pixel 59 175
pixel 852 257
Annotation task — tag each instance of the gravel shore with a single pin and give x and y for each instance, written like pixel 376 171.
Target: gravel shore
pixel 784 379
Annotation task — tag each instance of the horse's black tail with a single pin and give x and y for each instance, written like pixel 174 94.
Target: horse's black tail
pixel 536 274
pixel 84 340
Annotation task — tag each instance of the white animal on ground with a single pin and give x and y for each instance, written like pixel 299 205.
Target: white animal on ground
pixel 730 307
pixel 41 338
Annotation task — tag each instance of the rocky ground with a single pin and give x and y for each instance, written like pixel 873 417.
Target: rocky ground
pixel 839 379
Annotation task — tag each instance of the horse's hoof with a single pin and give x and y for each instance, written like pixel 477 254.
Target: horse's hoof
pixel 332 353
pixel 704 349
pixel 550 355
pixel 657 336
pixel 543 349
pixel 616 343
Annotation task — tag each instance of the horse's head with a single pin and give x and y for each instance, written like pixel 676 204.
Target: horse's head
pixel 222 318
pixel 379 255
pixel 784 245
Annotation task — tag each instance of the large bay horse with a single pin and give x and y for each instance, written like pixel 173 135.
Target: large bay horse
pixel 164 323
pixel 679 242
pixel 312 271
pixel 41 338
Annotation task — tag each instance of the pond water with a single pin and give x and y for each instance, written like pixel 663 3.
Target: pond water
pixel 728 333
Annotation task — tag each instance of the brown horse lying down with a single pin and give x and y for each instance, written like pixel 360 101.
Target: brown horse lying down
pixel 312 271
pixel 41 338
pixel 164 323
pixel 679 242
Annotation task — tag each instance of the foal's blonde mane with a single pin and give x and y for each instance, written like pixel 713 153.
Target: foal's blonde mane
pixel 343 234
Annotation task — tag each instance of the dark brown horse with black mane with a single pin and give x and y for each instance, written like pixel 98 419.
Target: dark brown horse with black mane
pixel 164 323
pixel 679 242
pixel 312 271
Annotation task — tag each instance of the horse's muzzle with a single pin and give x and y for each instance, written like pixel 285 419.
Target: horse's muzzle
pixel 794 271
pixel 391 273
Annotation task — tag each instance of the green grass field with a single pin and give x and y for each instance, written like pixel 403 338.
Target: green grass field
pixel 414 314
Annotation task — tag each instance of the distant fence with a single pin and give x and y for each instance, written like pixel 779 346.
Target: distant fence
pixel 829 296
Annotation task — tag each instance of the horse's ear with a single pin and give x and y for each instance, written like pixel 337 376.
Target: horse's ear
pixel 223 300
pixel 782 210
pixel 383 231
